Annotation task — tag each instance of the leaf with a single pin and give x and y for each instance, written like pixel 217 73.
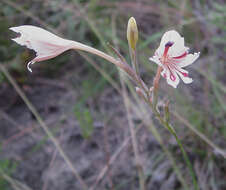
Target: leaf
pixel 85 120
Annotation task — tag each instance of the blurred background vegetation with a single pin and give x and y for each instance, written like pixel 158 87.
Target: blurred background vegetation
pixel 78 96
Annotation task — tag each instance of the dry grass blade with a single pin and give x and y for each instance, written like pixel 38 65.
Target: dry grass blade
pixel 43 125
pixel 14 183
pixel 27 13
pixel 143 113
pixel 134 140
pixel 216 149
pixel 112 160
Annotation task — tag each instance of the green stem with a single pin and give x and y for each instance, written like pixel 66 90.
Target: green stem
pixel 168 127
pixel 156 87
pixel 134 60
pixel 172 131
pixel 185 158
pixel 168 154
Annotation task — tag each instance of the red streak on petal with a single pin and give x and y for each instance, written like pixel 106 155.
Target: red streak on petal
pixel 185 74
pixel 181 56
pixel 172 77
pixel 176 68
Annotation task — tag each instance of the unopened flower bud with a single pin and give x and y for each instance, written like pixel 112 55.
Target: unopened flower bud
pixel 140 92
pixel 132 33
pixel 151 89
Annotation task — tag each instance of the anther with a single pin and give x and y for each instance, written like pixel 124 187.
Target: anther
pixel 169 44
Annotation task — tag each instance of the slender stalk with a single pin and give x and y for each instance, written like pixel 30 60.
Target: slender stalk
pixel 167 125
pixel 128 112
pixel 153 129
pixel 133 58
pixel 156 86
pixel 43 125
pixel 136 78
pixel 83 47
pixel 172 131
pixel 119 63
pixel 185 156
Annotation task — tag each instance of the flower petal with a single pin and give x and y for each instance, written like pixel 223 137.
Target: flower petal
pixel 172 55
pixel 29 65
pixel 171 36
pixel 184 75
pixel 156 60
pixel 163 73
pixel 30 32
pixel 177 48
pixel 44 43
pixel 21 41
pixel 171 77
pixel 39 40
pixel 188 60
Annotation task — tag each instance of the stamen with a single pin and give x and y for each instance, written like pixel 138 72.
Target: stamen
pixel 177 69
pixel 169 44
pixel 28 65
pixel 172 76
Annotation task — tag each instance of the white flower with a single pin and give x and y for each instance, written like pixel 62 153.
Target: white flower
pixel 45 44
pixel 172 56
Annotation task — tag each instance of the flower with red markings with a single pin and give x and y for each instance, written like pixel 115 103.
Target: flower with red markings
pixel 44 43
pixel 172 56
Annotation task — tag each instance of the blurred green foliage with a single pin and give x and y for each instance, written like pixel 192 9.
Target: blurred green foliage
pixel 219 16
pixel 85 120
pixel 7 167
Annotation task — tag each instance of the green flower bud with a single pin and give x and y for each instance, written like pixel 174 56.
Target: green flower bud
pixel 132 33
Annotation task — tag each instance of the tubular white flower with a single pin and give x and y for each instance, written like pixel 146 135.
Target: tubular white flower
pixel 45 44
pixel 48 45
pixel 172 56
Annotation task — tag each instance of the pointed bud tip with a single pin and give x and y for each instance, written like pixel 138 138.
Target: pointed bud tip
pixel 132 23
